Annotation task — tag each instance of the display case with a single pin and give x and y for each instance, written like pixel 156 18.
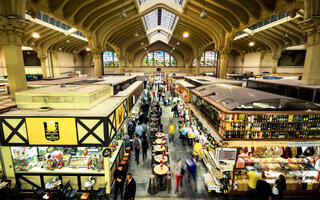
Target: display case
pixel 298 169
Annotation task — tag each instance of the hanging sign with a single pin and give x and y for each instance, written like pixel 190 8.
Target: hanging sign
pixel 52 131
pixel 303 144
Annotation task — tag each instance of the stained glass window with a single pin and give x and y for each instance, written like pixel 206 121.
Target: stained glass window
pixel 110 59
pixel 208 59
pixel 158 59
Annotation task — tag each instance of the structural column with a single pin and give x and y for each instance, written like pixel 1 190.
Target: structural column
pixel 312 61
pixel 198 65
pixel 97 59
pixel 11 33
pixel 223 60
pixel 120 64
pixel 275 60
pixel 43 59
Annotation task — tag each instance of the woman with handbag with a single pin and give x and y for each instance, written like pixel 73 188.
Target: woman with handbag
pixel 278 188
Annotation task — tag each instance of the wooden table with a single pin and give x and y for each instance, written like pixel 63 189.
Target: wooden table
pixel 159 141
pixel 159 149
pixel 160 135
pixel 158 158
pixel 161 171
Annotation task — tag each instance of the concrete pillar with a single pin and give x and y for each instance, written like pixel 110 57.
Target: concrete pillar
pixel 242 62
pixel 43 59
pixel 130 62
pixel 312 61
pixel 187 65
pixel 97 59
pixel 223 60
pixel 275 60
pixel 198 65
pixel 11 33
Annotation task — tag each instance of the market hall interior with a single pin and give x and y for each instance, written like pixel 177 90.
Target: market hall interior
pixel 186 99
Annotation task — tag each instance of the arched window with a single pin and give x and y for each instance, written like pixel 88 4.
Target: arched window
pixel 110 59
pixel 208 59
pixel 158 59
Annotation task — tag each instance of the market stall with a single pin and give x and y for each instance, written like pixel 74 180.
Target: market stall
pixel 198 81
pixel 183 89
pixel 241 117
pixel 40 143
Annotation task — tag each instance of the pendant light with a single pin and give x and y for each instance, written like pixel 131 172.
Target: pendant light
pixel 123 14
pixel 135 34
pixel 142 43
pixel 178 43
pixel 203 14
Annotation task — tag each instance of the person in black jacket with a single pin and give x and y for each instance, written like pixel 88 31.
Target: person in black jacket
pixel 145 147
pixel 130 190
pixel 281 186
pixel 264 189
pixel 119 176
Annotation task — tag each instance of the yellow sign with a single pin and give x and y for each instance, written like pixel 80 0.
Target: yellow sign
pixel 52 131
pixel 119 115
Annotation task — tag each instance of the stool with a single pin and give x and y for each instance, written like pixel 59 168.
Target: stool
pixel 85 196
pixel 125 158
pixel 152 159
pixel 152 186
pixel 168 183
pixel 168 154
pixel 166 146
pixel 127 149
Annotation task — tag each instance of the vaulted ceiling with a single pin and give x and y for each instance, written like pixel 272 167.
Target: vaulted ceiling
pixel 167 20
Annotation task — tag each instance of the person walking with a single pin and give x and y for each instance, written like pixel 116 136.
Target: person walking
pixel 175 110
pixel 184 133
pixel 179 172
pixel 126 139
pixel 119 175
pixel 145 147
pixel 137 146
pixel 139 129
pixel 252 184
pixel 172 131
pixel 130 189
pixel 192 170
pixel 280 186
pixel 263 189
pixel 197 148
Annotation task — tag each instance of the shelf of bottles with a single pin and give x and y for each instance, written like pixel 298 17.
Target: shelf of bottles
pixel 269 126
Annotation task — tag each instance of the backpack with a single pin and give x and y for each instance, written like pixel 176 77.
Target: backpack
pixel 136 144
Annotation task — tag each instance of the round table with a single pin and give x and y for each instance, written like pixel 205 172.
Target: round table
pixel 159 141
pixel 160 135
pixel 54 183
pixel 89 184
pixel 158 158
pixel 161 171
pixel 159 149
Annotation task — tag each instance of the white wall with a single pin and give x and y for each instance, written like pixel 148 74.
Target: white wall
pixel 257 64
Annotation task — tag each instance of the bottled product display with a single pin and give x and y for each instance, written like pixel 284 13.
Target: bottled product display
pixel 259 126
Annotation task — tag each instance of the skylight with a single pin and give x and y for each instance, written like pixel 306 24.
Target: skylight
pixel 176 1
pixel 160 17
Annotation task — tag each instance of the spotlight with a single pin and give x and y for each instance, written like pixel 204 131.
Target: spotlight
pixel 251 44
pixel 186 34
pixel 74 51
pixel 35 35
pixel 87 49
pixel 60 49
pixel 32 44
pixel 178 43
pixel 68 40
pixel 142 43
pixel 135 34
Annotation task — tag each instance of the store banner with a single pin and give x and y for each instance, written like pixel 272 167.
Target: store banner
pixel 119 115
pixel 52 131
